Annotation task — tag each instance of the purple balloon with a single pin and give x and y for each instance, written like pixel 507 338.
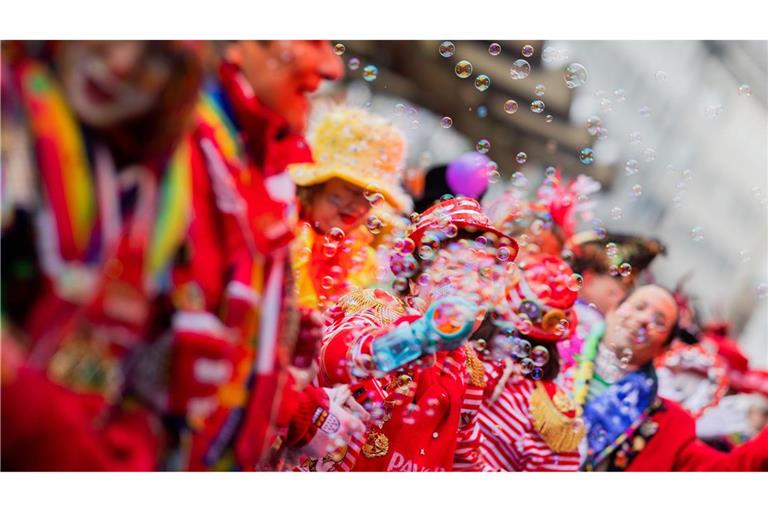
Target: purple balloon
pixel 468 174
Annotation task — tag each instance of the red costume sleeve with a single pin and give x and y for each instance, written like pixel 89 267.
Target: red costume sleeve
pixel 750 456
pixel 695 455
pixel 343 343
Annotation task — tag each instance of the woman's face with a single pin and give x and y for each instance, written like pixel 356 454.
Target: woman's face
pixel 108 82
pixel 338 204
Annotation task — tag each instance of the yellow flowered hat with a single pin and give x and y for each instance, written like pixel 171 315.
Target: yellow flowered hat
pixel 358 147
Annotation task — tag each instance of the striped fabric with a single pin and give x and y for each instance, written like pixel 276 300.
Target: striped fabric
pixel 508 440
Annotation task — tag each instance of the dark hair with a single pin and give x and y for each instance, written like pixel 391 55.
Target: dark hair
pixel 305 196
pixel 551 369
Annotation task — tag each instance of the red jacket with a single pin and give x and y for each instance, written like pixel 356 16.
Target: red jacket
pixel 675 447
pixel 422 416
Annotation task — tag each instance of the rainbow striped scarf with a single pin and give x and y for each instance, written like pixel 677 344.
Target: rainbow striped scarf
pixel 69 184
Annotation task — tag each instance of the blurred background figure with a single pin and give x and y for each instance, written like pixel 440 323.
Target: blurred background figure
pixel 252 118
pixel 357 168
pixel 85 263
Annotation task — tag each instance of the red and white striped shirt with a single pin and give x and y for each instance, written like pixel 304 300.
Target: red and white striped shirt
pixel 508 441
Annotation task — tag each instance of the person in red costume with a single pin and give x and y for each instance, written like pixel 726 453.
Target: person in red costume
pixel 84 261
pixel 242 405
pixel 527 423
pixel 422 408
pixel 629 427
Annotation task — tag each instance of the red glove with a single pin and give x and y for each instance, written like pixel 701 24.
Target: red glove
pixel 202 360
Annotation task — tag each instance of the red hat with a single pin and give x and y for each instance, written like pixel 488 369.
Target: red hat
pixel 465 214
pixel 544 293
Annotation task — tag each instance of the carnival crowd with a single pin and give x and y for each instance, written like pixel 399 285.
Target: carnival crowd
pixel 196 278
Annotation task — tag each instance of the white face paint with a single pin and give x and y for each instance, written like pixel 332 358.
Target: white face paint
pixel 110 82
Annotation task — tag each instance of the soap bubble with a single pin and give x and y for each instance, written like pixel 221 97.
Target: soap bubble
pixel 521 157
pixel 463 69
pixel 526 366
pixel 374 224
pixel 527 51
pixel 510 106
pixel 548 118
pixel 482 111
pixel 537 106
pixel 482 83
pixel 661 76
pixel 446 122
pixel 550 54
pixel 625 269
pixel 339 49
pixel 522 347
pixel 586 156
pixel 575 75
pixel 374 197
pixel 637 190
pixel 330 249
pixel 697 234
pixel 519 180
pixel 353 63
pixel 745 90
pixel 593 124
pixel 575 282
pixel 649 154
pixel 631 167
pixel 540 90
pixel 616 213
pixel 370 73
pixel 645 111
pixel 483 146
pixel 520 69
pixel 539 355
pixel 494 49
pixel 447 49
pixel 335 235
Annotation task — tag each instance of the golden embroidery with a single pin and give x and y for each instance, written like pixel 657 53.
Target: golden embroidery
pixel 563 402
pixel 475 367
pixel 386 307
pixel 561 433
pixel 376 445
pixel 84 364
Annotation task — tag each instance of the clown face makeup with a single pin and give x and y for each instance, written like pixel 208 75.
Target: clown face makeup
pixel 109 82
